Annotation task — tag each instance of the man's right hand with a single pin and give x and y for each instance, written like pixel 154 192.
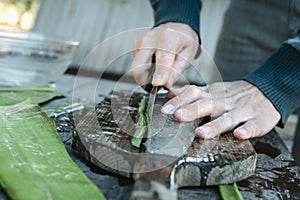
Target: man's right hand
pixel 174 45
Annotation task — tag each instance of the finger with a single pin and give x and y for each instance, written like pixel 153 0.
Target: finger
pixel 141 65
pixel 190 112
pixel 252 128
pixel 170 94
pixel 174 91
pixel 137 45
pixel 188 95
pixel 163 67
pixel 182 61
pixel 178 90
pixel 168 46
pixel 224 123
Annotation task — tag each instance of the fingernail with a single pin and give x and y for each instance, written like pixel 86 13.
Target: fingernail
pixel 203 131
pixel 242 133
pixel 168 109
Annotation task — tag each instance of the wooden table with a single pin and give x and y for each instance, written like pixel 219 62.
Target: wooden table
pixel 276 177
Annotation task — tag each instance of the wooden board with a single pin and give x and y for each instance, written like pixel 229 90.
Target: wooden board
pixel 104 136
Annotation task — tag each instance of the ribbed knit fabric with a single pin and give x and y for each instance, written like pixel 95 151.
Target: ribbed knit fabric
pixel 184 11
pixel 279 79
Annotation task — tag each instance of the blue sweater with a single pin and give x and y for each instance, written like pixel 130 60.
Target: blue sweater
pixel 278 77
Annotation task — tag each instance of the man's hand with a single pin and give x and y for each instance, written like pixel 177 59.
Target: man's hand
pixel 173 44
pixel 237 106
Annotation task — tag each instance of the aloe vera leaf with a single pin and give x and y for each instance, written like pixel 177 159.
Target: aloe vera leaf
pixel 37 94
pixel 141 125
pixel 34 162
pixel 230 192
pixel 138 136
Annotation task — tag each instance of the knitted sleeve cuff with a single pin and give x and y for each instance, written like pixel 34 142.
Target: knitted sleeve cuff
pixel 184 11
pixel 279 79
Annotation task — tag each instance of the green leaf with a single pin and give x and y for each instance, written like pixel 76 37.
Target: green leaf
pixel 34 163
pixel 230 192
pixel 37 94
pixel 141 125
pixel 138 136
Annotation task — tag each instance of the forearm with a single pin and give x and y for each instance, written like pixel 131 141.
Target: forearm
pixel 279 78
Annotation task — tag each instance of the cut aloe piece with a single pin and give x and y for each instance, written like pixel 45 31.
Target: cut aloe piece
pixel 230 192
pixel 37 94
pixel 141 125
pixel 34 162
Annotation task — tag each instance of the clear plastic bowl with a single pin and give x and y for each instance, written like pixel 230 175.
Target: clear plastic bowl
pixel 28 58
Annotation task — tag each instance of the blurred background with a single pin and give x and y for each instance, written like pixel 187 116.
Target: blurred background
pixel 92 21
pixel 18 14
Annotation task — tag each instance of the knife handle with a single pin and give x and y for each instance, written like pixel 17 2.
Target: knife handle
pixel 148 87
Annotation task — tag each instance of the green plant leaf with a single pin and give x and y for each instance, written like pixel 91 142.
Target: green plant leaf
pixel 34 163
pixel 230 192
pixel 141 125
pixel 37 94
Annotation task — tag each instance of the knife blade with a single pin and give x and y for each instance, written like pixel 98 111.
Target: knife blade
pixel 150 108
pixel 153 126
pixel 142 129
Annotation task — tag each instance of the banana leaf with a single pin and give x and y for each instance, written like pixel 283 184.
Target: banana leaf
pixel 34 162
pixel 37 94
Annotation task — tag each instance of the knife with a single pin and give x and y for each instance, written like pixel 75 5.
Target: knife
pixel 150 108
pixel 144 124
pixel 151 100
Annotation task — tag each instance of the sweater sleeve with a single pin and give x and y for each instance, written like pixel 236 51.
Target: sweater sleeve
pixel 184 11
pixel 279 78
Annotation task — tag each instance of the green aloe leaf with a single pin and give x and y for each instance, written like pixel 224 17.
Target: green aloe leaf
pixel 141 125
pixel 230 192
pixel 34 162
pixel 37 94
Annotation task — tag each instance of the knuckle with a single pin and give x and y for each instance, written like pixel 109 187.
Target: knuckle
pixel 209 103
pixel 229 118
pixel 145 42
pixel 252 129
pixel 198 92
pixel 142 41
pixel 227 107
pixel 213 125
pixel 213 129
pixel 169 39
pixel 177 100
pixel 164 55
pixel 194 89
pixel 165 33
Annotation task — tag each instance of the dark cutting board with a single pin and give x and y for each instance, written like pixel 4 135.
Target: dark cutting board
pixel 166 161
